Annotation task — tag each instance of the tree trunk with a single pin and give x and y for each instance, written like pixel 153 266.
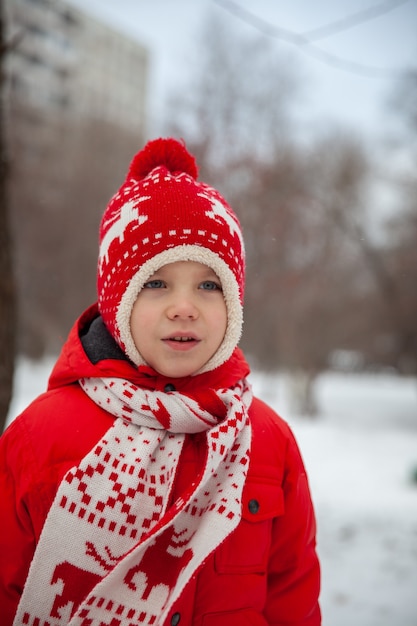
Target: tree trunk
pixel 301 390
pixel 7 286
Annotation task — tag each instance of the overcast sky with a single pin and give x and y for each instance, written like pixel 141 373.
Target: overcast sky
pixel 348 68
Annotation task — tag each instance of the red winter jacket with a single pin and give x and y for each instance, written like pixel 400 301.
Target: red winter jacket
pixel 265 573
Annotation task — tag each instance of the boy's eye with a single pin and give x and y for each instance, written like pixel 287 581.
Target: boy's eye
pixel 210 285
pixel 154 284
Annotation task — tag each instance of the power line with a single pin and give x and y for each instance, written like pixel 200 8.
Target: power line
pixel 350 21
pixel 305 43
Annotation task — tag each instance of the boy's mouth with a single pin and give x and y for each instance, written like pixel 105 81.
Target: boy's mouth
pixel 181 339
pixel 181 342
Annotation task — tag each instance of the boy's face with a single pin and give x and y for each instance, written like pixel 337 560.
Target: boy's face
pixel 179 318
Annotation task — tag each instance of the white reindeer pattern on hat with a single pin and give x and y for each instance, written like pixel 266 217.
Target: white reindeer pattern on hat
pixel 219 211
pixel 129 213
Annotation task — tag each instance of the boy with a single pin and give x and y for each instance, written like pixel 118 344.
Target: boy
pixel 147 485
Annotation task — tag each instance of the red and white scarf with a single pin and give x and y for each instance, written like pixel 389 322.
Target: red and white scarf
pixel 112 550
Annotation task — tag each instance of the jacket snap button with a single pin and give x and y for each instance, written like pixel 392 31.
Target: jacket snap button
pixel 175 619
pixel 169 387
pixel 253 506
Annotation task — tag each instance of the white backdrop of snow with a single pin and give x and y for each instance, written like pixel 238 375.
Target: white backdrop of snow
pixel 360 454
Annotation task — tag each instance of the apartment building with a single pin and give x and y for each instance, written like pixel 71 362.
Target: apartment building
pixel 66 62
pixel 76 113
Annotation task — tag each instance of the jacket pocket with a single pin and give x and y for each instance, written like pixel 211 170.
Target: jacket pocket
pixel 246 550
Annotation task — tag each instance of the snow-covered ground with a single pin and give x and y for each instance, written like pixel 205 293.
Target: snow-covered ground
pixel 361 455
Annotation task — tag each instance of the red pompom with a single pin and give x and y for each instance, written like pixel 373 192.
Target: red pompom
pixel 168 152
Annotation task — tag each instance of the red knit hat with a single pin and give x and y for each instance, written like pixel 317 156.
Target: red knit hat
pixel 160 215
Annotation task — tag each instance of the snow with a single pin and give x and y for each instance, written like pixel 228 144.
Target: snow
pixel 361 455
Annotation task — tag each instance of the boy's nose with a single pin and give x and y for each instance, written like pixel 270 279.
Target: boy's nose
pixel 182 307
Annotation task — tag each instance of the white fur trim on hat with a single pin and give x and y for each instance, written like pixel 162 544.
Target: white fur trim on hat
pixel 231 295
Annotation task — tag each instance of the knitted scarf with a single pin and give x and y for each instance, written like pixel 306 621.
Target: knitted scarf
pixel 114 549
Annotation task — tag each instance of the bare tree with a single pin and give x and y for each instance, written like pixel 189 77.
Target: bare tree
pixel 60 183
pixel 306 258
pixel 398 321
pixel 7 288
pixel 236 105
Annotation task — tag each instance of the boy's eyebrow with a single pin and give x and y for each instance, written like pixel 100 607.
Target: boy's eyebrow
pixel 209 275
pixel 208 272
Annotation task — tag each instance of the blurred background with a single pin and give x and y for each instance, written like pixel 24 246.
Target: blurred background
pixel 304 115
